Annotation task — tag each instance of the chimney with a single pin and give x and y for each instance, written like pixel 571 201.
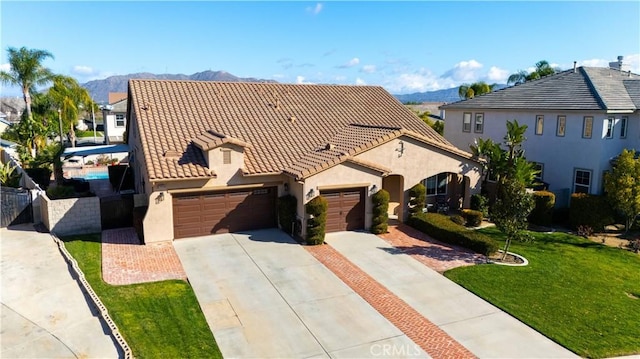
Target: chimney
pixel 575 64
pixel 619 65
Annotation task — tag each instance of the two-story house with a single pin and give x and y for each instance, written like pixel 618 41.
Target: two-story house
pixel 115 118
pixel 578 120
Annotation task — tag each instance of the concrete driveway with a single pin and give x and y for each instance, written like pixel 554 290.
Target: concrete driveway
pixel 264 295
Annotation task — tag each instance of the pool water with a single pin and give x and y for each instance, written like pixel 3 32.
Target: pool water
pixel 95 176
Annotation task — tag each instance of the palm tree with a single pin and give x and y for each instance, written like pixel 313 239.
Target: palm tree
pixel 466 91
pixel 70 98
pixel 542 69
pixel 27 72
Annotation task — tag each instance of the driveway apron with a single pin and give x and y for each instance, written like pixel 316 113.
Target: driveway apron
pixel 485 330
pixel 264 296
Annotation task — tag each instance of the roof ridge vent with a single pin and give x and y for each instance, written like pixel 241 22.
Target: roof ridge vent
pixel 292 119
pixel 329 146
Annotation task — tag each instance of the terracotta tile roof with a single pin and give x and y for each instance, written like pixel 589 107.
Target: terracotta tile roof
pixel 284 126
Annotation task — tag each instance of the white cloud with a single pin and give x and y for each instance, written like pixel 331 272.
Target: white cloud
pixel 5 67
pixel 82 70
pixel 315 9
pixel 301 80
pixel 464 71
pixel 593 63
pixel 360 82
pixel 368 69
pixel 632 61
pixel 497 75
pixel 351 63
pixel 340 78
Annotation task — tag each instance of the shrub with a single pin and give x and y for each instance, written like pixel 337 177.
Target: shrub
pixel 317 209
pixel 542 213
pixel 418 195
pixel 9 177
pixel 480 202
pixel 472 217
pixel 40 175
pixel 443 229
pixel 380 212
pixel 458 219
pixel 287 206
pixel 590 210
pixel 61 192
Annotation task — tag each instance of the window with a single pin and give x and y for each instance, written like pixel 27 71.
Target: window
pixel 437 184
pixel 587 126
pixel 539 167
pixel 539 124
pixel 562 125
pixel 582 181
pixel 466 122
pixel 226 157
pixel 623 126
pixel 479 123
pixel 608 124
pixel 119 120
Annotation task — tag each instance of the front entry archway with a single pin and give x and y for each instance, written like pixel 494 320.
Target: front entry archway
pixel 394 184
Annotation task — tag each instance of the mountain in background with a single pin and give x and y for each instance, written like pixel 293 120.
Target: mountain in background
pixel 99 89
pixel 447 95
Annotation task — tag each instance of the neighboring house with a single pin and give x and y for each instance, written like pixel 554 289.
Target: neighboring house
pixel 4 124
pixel 115 121
pixel 212 157
pixel 578 120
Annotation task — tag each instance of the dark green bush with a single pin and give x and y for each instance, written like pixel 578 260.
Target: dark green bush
pixel 472 217
pixel 61 192
pixel 480 202
pixel 590 210
pixel 317 210
pixel 380 212
pixel 443 229
pixel 458 219
pixel 418 195
pixel 287 206
pixel 40 175
pixel 542 213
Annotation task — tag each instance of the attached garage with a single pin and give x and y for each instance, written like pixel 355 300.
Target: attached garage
pixel 346 210
pixel 201 214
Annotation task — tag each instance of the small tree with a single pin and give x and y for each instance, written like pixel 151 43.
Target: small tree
pixel 510 212
pixel 622 186
pixel 418 194
pixel 317 209
pixel 380 220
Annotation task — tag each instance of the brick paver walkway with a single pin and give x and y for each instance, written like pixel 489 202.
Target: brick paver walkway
pixel 427 335
pixel 126 261
pixel 435 255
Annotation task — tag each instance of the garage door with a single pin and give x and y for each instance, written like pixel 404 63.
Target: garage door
pixel 221 212
pixel 346 209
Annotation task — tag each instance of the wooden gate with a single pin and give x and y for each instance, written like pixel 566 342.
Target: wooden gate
pixel 116 211
pixel 16 206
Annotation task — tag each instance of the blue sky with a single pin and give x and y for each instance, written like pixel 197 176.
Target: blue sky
pixel 406 47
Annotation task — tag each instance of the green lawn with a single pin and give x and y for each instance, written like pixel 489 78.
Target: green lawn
pixel 158 320
pixel 88 133
pixel 579 293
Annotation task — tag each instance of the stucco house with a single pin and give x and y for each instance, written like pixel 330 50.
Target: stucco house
pixel 212 157
pixel 115 118
pixel 578 120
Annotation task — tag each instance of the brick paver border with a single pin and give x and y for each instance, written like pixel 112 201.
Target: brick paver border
pixel 433 340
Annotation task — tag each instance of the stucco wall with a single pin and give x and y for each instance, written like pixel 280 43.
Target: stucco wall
pixel 158 221
pixel 561 155
pixel 71 216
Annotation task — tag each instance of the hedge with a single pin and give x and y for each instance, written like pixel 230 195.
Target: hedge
pixel 542 213
pixel 443 229
pixel 380 212
pixel 590 210
pixel 480 202
pixel 287 212
pixel 472 217
pixel 317 209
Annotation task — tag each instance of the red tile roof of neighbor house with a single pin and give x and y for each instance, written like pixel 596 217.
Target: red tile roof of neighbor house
pixel 299 130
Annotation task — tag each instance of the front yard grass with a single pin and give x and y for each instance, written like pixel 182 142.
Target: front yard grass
pixel 158 320
pixel 581 294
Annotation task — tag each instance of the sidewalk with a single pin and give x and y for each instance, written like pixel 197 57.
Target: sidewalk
pixel 485 330
pixel 44 312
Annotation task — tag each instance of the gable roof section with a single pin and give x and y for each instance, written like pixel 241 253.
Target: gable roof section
pixel 212 139
pixel 283 125
pixel 588 88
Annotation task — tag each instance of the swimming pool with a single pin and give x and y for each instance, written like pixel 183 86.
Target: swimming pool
pixel 95 175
